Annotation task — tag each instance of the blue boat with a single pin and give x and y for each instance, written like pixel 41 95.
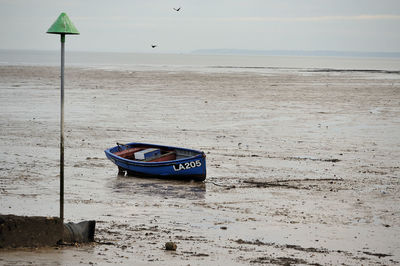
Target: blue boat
pixel 150 160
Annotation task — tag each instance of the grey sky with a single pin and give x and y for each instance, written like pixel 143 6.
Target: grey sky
pixel 133 25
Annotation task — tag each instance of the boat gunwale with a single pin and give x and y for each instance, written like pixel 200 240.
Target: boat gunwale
pixel 152 164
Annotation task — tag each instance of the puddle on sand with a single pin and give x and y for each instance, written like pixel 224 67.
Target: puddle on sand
pixel 157 188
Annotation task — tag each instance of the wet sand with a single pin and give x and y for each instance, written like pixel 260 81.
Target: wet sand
pixel 302 167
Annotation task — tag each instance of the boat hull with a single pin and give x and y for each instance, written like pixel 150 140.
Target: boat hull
pixel 192 167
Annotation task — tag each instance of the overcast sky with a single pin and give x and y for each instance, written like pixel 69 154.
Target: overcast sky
pixel 133 25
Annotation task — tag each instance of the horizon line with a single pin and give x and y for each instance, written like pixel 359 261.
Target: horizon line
pixel 235 51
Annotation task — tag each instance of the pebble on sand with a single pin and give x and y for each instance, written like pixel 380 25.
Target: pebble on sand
pixel 170 246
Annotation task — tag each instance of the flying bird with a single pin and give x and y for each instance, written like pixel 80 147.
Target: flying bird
pixel 153 46
pixel 177 9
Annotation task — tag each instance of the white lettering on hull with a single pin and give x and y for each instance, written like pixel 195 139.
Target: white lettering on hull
pixel 186 166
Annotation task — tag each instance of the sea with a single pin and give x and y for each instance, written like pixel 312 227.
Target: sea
pixel 198 62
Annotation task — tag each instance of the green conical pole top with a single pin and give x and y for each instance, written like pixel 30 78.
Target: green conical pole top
pixel 63 25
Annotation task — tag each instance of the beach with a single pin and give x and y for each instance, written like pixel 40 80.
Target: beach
pixel 302 164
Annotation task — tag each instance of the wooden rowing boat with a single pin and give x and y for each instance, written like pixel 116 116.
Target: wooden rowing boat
pixel 151 160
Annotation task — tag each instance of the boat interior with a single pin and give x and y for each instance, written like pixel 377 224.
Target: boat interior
pixel 163 154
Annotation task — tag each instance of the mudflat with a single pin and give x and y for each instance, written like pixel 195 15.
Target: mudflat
pixel 302 166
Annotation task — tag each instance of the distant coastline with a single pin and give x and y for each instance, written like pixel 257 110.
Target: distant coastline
pixel 211 60
pixel 296 53
pixel 239 52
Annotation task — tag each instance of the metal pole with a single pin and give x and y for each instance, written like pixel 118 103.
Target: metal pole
pixel 62 133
